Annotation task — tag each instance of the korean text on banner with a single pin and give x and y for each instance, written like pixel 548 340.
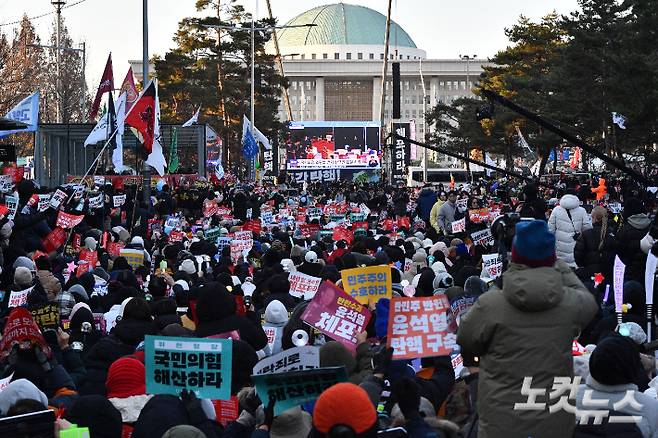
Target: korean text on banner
pixel 337 315
pixel 368 284
pixel 118 200
pixel 302 285
pixel 134 257
pixel 196 364
pixel 293 359
pixel 482 237
pixel 293 388
pixel 418 327
pixel 618 283
pixel 66 220
pixel 459 226
pixel 19 298
pixel 492 265
pixel 58 197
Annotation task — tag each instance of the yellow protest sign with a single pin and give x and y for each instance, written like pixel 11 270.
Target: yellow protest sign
pixel 368 284
pixel 134 257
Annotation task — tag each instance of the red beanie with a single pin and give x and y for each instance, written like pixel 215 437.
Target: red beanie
pixel 125 378
pixel 347 404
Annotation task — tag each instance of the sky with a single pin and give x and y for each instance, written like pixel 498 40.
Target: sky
pixel 443 28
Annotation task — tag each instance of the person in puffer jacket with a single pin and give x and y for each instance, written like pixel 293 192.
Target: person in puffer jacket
pixel 567 229
pixel 276 317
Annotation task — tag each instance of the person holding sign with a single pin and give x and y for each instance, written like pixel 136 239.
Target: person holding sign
pixel 526 329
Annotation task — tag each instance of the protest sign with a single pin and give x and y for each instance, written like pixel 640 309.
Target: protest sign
pixel 210 207
pixel 223 242
pixel 118 200
pixel 266 219
pixel 19 298
pixel 293 388
pixel 418 327
pixel 336 314
pixel 6 381
pixel 313 213
pixel 212 234
pixel 54 239
pixel 226 411
pixel 368 284
pixel 457 364
pixel 273 334
pixel 134 257
pixel 309 230
pixel 12 206
pixel 615 207
pixel 482 237
pixel 458 308
pixel 618 283
pixel 99 180
pixel 20 328
pixel 46 316
pixel 6 183
pixel 341 233
pixel 176 236
pixel 58 197
pixel 223 211
pixel 492 265
pixel 302 285
pixel 114 248
pixel 66 220
pixel 78 191
pixel 196 364
pixel 293 359
pixel 96 202
pixel 43 203
pixel 252 225
pixel 100 286
pixel 458 226
pixel 90 257
pixel 479 215
pixel 243 235
pixel 462 205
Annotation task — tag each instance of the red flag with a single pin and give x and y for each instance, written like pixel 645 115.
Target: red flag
pixel 142 116
pixel 106 85
pixel 128 87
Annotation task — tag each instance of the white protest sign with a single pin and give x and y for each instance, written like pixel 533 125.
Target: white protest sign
pixel 100 286
pixel 249 212
pixel 44 203
pixel 96 202
pixel 266 218
pixel 618 283
pixel 223 242
pixel 19 298
pixel 461 204
pixel 408 264
pixel 615 207
pixel 118 200
pixel 111 317
pixel 459 226
pixel 457 364
pixel 99 180
pixel 6 183
pixel 649 277
pixel 293 359
pixel 273 334
pixel 58 197
pixel 482 237
pixel 492 265
pixel 12 205
pixel 303 285
pixel 364 209
pixel 5 382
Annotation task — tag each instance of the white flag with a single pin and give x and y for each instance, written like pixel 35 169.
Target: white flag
pixel 194 120
pixel 117 154
pixel 490 162
pixel 156 158
pixel 260 138
pixel 99 133
pixel 619 120
pixel 27 111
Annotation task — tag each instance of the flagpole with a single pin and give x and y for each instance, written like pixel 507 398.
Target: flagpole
pixel 146 180
pixel 252 161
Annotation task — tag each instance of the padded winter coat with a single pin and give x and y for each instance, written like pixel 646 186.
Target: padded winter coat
pixel 565 228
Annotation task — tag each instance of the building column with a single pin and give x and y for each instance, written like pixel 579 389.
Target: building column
pixel 319 99
pixel 434 91
pixel 376 97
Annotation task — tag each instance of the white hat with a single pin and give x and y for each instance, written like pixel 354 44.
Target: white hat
pixel 311 257
pixel 419 235
pixel 187 266
pixel 438 267
pixel 248 288
pixel 91 243
pixel 182 283
pixel 137 240
pixel 427 243
pixel 288 265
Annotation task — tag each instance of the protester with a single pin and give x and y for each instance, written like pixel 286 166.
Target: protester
pixel 568 221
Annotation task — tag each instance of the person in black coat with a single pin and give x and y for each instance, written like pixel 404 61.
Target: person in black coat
pixel 627 240
pixel 278 287
pixel 216 313
pixel 592 252
pixel 532 205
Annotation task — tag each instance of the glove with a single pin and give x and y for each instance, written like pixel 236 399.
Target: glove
pixel 407 394
pixel 193 407
pixel 381 360
pixel 269 413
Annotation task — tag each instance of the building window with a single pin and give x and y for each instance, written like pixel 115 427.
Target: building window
pixel 293 99
pixel 325 56
pixel 381 56
pixel 372 56
pixel 406 85
pixel 308 85
pixel 442 84
pixel 408 57
pixel 303 56
pixel 359 55
pixel 312 55
pixel 463 83
pixel 449 85
pixel 294 85
pixel 336 55
pixel 406 114
pixel 413 114
pixel 349 56
pixel 413 100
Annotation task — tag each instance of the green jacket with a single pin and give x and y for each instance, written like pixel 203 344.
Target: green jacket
pixel 525 330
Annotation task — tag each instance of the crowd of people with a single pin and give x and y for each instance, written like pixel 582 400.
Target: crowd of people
pixel 528 268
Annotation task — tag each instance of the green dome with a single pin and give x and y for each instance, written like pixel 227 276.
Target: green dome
pixel 341 24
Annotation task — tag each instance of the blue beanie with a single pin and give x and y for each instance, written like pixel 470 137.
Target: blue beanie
pixel 534 244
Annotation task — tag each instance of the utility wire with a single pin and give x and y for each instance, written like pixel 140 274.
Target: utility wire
pixel 42 15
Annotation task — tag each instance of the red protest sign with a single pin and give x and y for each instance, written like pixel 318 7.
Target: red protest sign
pixel 386 224
pixel 479 215
pixel 82 268
pixel 176 236
pixel 77 238
pixel 226 411
pixel 418 327
pixel 114 248
pixel 252 225
pixel 336 314
pixel 363 225
pixel 210 207
pixel 343 234
pixel 223 211
pixel 66 220
pixel 404 222
pixel 21 328
pixel 91 257
pixel 54 240
pixel 309 230
pixel 16 173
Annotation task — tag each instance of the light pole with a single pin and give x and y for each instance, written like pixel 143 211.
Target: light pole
pixel 468 59
pixel 146 179
pixel 252 29
pixel 422 83
pixel 58 4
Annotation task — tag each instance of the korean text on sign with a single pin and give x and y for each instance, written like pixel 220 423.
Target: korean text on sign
pixel 418 327
pixel 302 285
pixel 293 388
pixel 196 364
pixel 293 359
pixel 368 284
pixel 337 315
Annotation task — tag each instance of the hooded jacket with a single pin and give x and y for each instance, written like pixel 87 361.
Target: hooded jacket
pixel 565 228
pixel 446 216
pixel 627 246
pixel 276 317
pixel 426 200
pixel 525 329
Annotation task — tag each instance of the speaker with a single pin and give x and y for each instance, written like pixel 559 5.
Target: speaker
pixel 396 89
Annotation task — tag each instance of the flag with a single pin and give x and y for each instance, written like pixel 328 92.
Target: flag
pixel 107 84
pixel 117 153
pixel 249 146
pixel 99 133
pixel 490 162
pixel 27 111
pixel 128 87
pixel 194 120
pixel 619 120
pixel 142 116
pixel 111 120
pixel 523 144
pixel 156 158
pixel 173 152
pixel 260 137
pixel 575 158
pixel 452 182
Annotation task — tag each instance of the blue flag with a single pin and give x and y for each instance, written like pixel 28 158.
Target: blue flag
pixel 27 111
pixel 249 146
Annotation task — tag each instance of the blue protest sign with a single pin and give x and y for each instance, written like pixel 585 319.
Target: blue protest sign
pixel 196 364
pixel 293 388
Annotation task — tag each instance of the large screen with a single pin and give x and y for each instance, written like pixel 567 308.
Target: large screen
pixel 333 145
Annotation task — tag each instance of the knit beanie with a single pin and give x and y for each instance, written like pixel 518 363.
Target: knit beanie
pixel 615 361
pixel 533 244
pixel 346 404
pixel 125 378
pixel 24 262
pixel 22 276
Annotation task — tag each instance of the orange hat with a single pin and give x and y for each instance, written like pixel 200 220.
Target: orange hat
pixel 347 404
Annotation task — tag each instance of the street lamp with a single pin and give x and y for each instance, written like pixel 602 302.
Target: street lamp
pixel 252 29
pixel 468 59
pixel 422 83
